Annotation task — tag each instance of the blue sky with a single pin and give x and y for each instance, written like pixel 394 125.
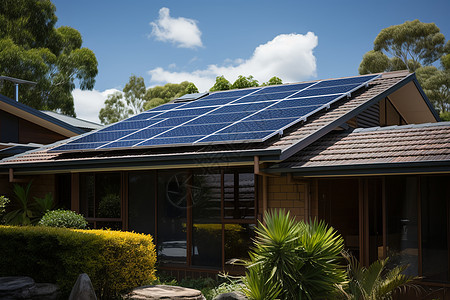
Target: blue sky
pixel 172 41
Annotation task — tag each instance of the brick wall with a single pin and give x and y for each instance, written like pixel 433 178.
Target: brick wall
pixel 286 194
pixel 41 185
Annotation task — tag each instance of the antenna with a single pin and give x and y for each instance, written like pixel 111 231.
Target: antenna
pixel 16 82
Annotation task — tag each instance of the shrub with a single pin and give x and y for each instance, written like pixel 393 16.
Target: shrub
pixel 63 218
pixel 3 203
pixel 294 260
pixel 114 260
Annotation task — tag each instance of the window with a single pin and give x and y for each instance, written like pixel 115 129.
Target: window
pixel 100 199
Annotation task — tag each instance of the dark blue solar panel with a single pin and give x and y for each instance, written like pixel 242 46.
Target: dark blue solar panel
pixel 341 89
pixel 344 81
pixel 213 102
pixel 252 114
pixel 283 88
pixel 263 125
pixel 120 144
pixel 103 136
pixel 264 97
pixel 193 130
pixel 292 112
pixel 167 107
pixel 245 136
pixel 144 134
pixel 173 121
pixel 143 116
pixel 185 112
pixel 78 147
pixel 222 118
pixel 243 107
pixel 228 94
pixel 169 141
pixel 131 125
pixel 312 101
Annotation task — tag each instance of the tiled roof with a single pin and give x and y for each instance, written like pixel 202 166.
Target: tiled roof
pixel 394 144
pixel 293 139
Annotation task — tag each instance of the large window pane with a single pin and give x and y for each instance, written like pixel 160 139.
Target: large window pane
pixel 107 195
pixel 238 240
pixel 239 195
pixel 172 202
pixel 402 220
pixel 141 202
pixel 87 195
pixel 435 198
pixel 207 227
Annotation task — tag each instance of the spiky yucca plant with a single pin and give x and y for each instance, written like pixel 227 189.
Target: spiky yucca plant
pixel 300 260
pixel 375 282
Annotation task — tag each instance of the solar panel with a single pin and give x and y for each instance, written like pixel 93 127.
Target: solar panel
pixel 237 116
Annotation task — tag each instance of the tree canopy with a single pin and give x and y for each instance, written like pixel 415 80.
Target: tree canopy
pixel 414 46
pixel 136 98
pixel 31 48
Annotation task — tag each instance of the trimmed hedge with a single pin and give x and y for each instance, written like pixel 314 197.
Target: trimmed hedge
pixel 114 260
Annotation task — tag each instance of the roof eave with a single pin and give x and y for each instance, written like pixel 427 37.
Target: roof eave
pixel 419 167
pixel 146 162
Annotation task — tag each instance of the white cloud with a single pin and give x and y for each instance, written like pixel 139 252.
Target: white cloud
pixel 88 103
pixel 181 31
pixel 288 56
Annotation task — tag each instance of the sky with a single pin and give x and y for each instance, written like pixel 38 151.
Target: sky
pixel 198 40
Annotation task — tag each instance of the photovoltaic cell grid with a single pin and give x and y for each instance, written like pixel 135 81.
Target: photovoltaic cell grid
pixel 238 116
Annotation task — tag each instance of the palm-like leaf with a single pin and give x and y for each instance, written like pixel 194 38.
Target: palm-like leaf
pixel 302 258
pixel 374 282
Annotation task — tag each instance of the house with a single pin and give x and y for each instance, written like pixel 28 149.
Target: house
pixel 23 128
pixel 364 153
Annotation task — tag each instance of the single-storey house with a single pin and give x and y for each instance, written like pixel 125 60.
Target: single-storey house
pixel 24 128
pixel 367 154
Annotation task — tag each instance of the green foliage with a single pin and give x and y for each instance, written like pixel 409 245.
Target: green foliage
pixel 3 203
pixel 27 212
pixel 45 204
pixel 221 84
pixel 115 109
pixel 299 260
pixel 374 62
pixel 136 98
pixel 191 88
pixel 374 282
pixel 63 219
pixel 445 116
pixel 32 48
pixel 24 214
pixel 421 42
pixel 436 85
pixel 244 82
pixel 134 92
pixel 115 261
pixel 273 81
pixel 109 206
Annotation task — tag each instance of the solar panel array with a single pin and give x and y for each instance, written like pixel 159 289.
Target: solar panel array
pixel 237 116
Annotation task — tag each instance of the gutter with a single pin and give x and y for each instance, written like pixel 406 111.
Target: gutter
pixel 403 168
pixel 145 162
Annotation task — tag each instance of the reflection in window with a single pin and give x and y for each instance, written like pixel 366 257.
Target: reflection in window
pixel 239 195
pixel 141 202
pixel 435 195
pixel 238 240
pixel 100 199
pixel 402 220
pixel 206 217
pixel 172 216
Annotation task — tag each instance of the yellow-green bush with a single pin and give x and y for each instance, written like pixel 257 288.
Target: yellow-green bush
pixel 114 260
